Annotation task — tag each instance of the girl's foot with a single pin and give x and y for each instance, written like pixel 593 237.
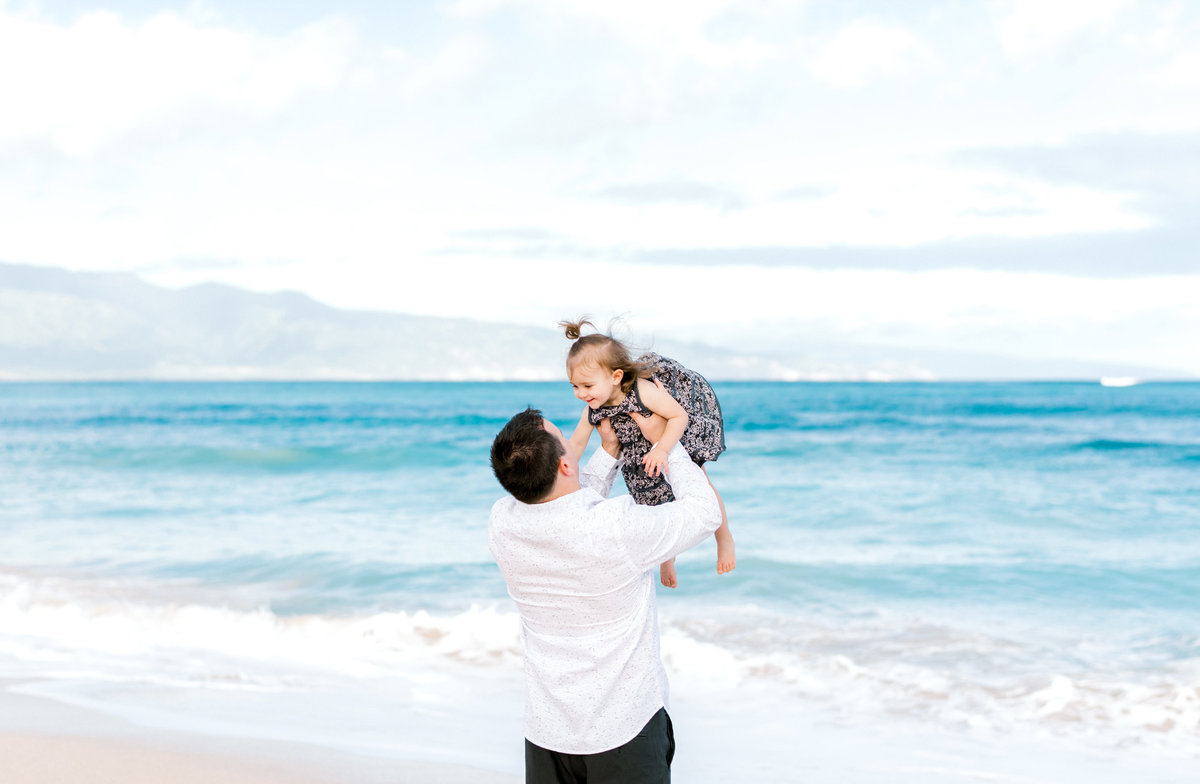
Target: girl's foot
pixel 666 573
pixel 726 553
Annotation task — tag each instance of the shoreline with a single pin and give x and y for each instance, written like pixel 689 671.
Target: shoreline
pixel 43 741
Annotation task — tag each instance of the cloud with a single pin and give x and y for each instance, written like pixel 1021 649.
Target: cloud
pixel 753 306
pixel 483 141
pixel 101 77
pixel 1004 212
pixel 206 264
pixel 672 192
pixel 1103 255
pixel 665 29
pixel 511 242
pixel 866 50
pixel 1032 27
pixel 506 234
pixel 1160 171
pixel 806 193
pixel 453 63
pixel 1181 73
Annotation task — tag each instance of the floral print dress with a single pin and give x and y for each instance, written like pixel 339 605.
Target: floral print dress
pixel 704 438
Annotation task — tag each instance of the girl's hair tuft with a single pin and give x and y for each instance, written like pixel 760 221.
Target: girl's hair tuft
pixel 574 329
pixel 604 350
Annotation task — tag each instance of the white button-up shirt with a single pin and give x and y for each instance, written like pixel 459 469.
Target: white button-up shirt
pixel 582 569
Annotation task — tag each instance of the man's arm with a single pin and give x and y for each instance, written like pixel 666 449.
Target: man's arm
pixel 653 534
pixel 583 432
pixel 601 471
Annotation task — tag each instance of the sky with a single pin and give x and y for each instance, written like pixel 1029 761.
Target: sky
pixel 1016 177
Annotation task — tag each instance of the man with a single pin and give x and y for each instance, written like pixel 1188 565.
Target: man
pixel 581 569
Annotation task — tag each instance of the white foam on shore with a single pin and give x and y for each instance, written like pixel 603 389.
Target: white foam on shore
pixel 948 676
pixel 56 628
pixel 419 686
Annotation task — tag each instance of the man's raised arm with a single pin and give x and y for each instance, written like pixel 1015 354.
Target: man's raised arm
pixel 601 471
pixel 658 533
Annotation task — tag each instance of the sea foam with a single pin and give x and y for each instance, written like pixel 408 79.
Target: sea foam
pixel 59 628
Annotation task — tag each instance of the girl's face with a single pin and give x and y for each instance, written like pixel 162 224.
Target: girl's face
pixel 597 386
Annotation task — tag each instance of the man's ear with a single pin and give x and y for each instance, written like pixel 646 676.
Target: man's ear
pixel 564 466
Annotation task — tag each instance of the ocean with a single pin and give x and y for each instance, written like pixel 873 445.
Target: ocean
pixel 935 581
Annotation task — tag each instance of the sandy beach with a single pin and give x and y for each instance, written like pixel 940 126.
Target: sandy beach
pixel 43 742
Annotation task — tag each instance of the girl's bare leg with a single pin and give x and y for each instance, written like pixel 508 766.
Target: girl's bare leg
pixel 666 574
pixel 726 552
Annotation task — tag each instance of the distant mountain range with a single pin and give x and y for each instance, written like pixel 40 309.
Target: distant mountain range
pixel 57 324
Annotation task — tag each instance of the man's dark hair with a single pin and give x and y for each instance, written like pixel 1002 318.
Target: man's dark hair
pixel 525 457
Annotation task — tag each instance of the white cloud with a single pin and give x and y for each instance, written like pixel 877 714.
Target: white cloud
pixel 740 306
pixel 454 63
pixel 866 50
pixel 1182 73
pixel 1030 27
pixel 883 202
pixel 663 30
pixel 337 159
pixel 82 86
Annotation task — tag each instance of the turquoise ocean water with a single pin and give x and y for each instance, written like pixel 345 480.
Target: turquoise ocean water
pixel 982 563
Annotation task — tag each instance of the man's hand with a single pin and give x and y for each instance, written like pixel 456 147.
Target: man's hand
pixel 608 438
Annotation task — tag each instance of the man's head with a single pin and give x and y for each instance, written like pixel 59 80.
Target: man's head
pixel 526 456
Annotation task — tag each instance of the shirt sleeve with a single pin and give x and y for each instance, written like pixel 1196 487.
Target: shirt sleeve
pixel 653 534
pixel 600 472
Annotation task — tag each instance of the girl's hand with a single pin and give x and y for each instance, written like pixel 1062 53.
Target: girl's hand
pixel 655 462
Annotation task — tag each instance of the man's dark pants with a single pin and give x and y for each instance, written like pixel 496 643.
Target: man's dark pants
pixel 644 760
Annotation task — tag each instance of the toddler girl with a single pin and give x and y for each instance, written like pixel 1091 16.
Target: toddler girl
pixel 652 403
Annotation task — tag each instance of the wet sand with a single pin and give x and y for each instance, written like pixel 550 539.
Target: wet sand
pixel 43 742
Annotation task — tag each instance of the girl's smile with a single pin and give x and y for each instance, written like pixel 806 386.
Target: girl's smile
pixel 597 386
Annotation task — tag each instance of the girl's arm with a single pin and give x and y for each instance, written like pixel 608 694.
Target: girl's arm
pixel 581 436
pixel 660 402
